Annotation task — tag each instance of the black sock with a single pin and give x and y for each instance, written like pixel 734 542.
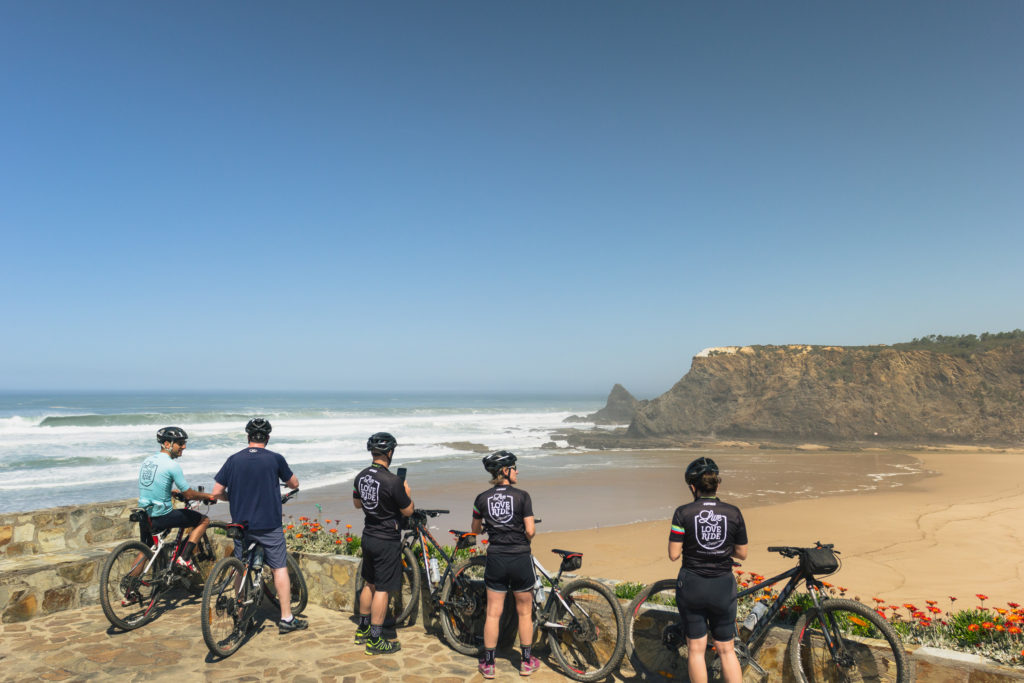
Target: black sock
pixel 186 552
pixel 527 651
pixel 364 620
pixel 489 656
pixel 375 630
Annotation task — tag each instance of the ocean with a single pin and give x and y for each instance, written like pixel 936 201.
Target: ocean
pixel 72 448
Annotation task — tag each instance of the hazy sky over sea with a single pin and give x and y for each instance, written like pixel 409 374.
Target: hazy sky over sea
pixel 511 196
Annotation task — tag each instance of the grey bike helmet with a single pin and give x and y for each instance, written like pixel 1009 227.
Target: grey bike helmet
pixel 698 468
pixel 258 430
pixel 497 461
pixel 172 434
pixel 381 443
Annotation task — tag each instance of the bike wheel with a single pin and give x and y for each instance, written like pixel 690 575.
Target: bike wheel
pixel 300 594
pixel 204 558
pixel 864 645
pixel 654 637
pixel 464 606
pixel 401 603
pixel 127 589
pixel 225 617
pixel 589 638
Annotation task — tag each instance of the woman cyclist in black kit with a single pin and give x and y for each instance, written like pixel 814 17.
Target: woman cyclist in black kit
pixel 506 514
pixel 707 534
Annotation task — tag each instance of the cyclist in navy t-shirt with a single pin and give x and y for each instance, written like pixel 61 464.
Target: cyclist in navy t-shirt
pixel 250 480
pixel 707 533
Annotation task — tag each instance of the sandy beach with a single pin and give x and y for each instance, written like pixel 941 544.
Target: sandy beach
pixel 957 533
pixel 911 526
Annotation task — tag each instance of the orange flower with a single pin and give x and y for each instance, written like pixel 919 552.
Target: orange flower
pixel 878 600
pixel 987 625
pixel 484 541
pixel 327 521
pixel 298 535
pixel 881 613
pixel 348 526
pixel 303 519
pixel 909 606
pixel 934 610
pixel 1015 630
pixel 981 597
pixel 973 628
pixel 337 541
pixel 334 531
pixel 348 538
pixel 291 526
pixel 931 602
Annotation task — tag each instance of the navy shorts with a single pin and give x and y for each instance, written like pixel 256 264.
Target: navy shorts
pixel 176 518
pixel 275 552
pixel 382 563
pixel 505 573
pixel 705 601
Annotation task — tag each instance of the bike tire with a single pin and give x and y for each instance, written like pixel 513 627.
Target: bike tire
pixel 590 641
pixel 853 625
pixel 402 603
pixel 300 593
pixel 463 608
pixel 655 644
pixel 225 616
pixel 127 600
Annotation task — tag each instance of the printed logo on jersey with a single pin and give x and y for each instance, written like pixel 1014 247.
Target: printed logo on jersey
pixel 499 507
pixel 710 529
pixel 147 474
pixel 369 492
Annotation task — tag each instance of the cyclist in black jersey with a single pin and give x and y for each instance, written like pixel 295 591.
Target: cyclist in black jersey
pixel 385 501
pixel 707 534
pixel 506 514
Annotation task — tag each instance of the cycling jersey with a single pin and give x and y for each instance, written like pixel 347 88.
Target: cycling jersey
pixel 156 477
pixel 502 509
pixel 383 498
pixel 709 531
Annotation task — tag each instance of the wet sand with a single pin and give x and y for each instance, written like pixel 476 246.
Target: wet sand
pixel 911 526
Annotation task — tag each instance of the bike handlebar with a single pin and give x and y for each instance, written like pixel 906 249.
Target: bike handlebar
pixel 793 551
pixel 433 513
pixel 288 496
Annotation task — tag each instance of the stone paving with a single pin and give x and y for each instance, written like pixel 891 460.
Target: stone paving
pixel 80 645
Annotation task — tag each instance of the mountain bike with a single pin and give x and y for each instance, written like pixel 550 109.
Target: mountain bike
pixel 582 621
pixel 137 573
pixel 235 590
pixel 830 642
pixel 417 537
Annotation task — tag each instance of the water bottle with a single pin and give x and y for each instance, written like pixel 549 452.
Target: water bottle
pixel 257 562
pixel 435 570
pixel 755 615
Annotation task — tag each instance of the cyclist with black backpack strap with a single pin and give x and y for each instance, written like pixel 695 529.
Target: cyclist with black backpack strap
pixel 707 534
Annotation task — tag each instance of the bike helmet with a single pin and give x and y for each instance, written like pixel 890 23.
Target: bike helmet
pixel 258 430
pixel 171 434
pixel 497 461
pixel 381 443
pixel 698 468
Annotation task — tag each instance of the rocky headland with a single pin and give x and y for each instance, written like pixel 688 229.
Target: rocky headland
pixel 960 390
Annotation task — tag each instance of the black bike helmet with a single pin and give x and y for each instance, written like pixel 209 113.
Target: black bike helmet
pixel 497 461
pixel 381 443
pixel 698 468
pixel 170 434
pixel 258 430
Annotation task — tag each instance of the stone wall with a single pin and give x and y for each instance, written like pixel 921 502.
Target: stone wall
pixel 73 528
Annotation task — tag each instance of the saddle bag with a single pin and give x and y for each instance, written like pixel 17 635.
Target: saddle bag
pixel 571 563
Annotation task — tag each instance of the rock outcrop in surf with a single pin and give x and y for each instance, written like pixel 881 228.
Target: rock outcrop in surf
pixel 620 409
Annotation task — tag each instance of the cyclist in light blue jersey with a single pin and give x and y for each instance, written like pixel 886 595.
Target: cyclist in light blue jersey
pixel 158 477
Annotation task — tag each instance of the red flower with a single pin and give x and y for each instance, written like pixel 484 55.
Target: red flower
pixel 334 531
pixel 981 597
pixel 1015 630
pixel 952 598
pixel 934 610
pixel 973 628
pixel 987 625
pixel 1013 605
pixel 337 541
pixel 878 600
pixel 931 602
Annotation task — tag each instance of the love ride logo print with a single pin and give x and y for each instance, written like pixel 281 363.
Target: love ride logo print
pixel 710 529
pixel 499 507
pixel 369 492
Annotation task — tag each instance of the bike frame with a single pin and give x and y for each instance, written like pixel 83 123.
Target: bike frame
pixel 795 576
pixel 546 604
pixel 421 532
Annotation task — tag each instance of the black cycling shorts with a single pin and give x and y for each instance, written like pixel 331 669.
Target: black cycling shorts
pixel 707 601
pixel 382 563
pixel 505 573
pixel 176 518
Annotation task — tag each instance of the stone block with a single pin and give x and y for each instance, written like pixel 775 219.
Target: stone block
pixel 78 572
pixel 24 533
pixel 51 540
pixel 6 534
pixel 58 599
pixel 99 523
pixel 23 606
pixel 50 519
pixel 21 549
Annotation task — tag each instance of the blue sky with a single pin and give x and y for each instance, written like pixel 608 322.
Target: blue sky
pixel 525 196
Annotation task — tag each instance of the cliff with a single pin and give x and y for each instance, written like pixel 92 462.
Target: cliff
pixel 843 394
